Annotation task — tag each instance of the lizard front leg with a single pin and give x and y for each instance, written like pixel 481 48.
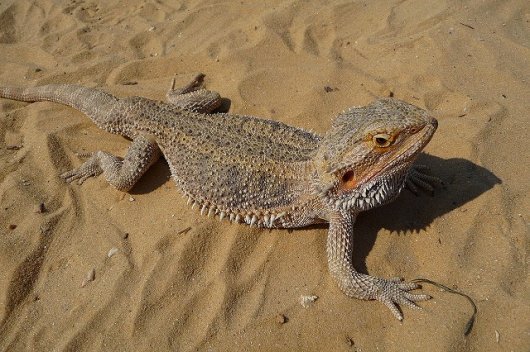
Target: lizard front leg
pixel 391 292
pixel 418 177
pixel 122 173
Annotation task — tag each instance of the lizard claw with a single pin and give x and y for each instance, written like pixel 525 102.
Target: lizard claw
pixel 394 291
pixel 418 178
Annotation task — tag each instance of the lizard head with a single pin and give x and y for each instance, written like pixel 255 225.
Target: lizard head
pixel 364 158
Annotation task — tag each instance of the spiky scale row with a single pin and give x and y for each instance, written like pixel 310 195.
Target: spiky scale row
pixel 257 218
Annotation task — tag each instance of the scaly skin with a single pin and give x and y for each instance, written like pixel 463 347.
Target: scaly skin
pixel 263 172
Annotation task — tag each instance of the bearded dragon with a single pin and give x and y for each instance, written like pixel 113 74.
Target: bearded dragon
pixel 260 172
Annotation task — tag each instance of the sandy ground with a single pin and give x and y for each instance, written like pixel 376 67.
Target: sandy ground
pixel 183 282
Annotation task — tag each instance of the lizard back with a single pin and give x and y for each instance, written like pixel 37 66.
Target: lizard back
pixel 229 163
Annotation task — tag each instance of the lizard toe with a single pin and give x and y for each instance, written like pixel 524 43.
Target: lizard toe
pixel 417 297
pixel 394 292
pixel 408 286
pixel 69 176
pixel 393 308
pixel 89 168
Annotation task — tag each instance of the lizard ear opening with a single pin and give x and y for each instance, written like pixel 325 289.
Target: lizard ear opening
pixel 348 180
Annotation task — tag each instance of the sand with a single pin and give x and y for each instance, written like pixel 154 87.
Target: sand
pixel 100 270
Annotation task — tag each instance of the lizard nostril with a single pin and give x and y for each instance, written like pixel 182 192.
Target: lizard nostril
pixel 434 122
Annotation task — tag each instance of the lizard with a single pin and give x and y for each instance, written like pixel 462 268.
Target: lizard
pixel 262 172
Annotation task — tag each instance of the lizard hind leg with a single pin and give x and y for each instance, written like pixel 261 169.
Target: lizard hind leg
pixel 121 173
pixel 192 97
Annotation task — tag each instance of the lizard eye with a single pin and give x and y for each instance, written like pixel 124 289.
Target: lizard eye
pixel 382 140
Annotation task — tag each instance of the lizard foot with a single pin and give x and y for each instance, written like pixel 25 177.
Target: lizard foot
pixel 419 178
pixel 193 97
pixel 394 291
pixel 195 84
pixel 89 168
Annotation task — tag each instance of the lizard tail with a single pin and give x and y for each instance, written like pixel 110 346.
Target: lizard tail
pixel 90 101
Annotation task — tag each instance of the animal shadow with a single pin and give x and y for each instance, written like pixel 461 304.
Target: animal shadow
pixel 463 181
